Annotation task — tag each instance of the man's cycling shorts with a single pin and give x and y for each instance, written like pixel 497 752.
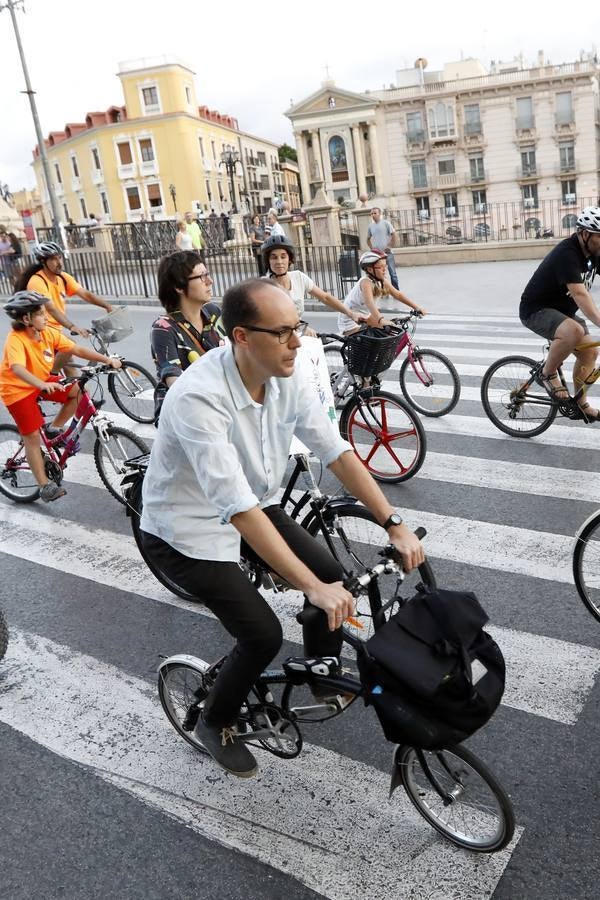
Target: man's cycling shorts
pixel 545 322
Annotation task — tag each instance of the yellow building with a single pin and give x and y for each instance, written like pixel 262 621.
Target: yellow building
pixel 157 155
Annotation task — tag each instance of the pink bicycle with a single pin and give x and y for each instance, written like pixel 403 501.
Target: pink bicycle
pixel 112 448
pixel 428 380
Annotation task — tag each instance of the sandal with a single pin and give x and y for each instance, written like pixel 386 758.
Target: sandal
pixel 590 416
pixel 556 391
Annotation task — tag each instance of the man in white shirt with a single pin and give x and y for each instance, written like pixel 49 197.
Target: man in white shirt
pixel 215 469
pixel 380 235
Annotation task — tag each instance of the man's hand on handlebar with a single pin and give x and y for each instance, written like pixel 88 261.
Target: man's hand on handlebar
pixel 408 546
pixel 334 600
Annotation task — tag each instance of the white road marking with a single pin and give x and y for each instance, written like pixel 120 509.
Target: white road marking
pixel 321 818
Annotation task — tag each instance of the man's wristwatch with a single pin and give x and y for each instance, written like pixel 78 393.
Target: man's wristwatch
pixel 394 519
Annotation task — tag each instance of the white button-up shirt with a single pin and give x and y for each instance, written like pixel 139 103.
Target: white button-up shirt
pixel 218 453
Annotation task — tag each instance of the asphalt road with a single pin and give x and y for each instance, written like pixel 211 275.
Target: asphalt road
pixel 101 799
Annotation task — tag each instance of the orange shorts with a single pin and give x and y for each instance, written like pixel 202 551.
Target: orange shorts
pixel 26 412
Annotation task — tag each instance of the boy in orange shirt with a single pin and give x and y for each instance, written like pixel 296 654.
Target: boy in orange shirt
pixel 27 361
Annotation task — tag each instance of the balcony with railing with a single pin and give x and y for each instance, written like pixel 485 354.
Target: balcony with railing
pixel 479 177
pixel 127 170
pixel 75 183
pixel 445 182
pixel 528 172
pixel 418 185
pixel 525 123
pixel 529 203
pixel 473 128
pixel 566 167
pixel 97 176
pixel 569 200
pixel 149 167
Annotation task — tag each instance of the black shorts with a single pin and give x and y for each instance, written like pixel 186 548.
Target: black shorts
pixel 545 322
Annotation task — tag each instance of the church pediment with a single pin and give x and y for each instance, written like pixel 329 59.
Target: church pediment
pixel 328 99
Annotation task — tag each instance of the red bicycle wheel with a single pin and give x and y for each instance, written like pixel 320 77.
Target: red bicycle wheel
pixel 386 435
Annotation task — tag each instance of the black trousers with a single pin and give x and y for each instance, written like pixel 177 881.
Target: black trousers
pixel 244 612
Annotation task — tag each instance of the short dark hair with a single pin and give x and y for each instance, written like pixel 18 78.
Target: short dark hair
pixel 239 306
pixel 173 272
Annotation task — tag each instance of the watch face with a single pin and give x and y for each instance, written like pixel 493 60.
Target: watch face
pixel 394 519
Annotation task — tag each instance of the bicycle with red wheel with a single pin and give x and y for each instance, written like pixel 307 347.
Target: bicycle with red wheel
pixel 385 432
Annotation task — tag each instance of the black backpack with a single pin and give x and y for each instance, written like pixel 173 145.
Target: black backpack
pixel 433 675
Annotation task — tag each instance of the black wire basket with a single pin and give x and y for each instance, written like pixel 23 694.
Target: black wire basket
pixel 368 353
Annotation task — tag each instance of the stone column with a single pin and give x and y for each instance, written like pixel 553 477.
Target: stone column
pixel 375 157
pixel 303 166
pixel 361 183
pixel 363 220
pixel 317 175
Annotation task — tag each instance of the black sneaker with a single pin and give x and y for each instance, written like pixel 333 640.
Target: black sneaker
pixel 51 491
pixel 226 749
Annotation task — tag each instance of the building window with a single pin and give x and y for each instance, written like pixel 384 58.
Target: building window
pixel 220 189
pixel 569 221
pixel 528 163
pixel 150 99
pixel 124 151
pixel 154 195
pixel 188 94
pixel 564 108
pixel 479 201
pixel 569 192
pixel 201 145
pixel 66 212
pixel 214 150
pixel 134 201
pixel 423 207
pixel 450 205
pixel 369 185
pixel 525 112
pixel 262 158
pixel 446 166
pixel 477 171
pixel 530 196
pixel 83 207
pixel 472 119
pixel 146 150
pixel 104 202
pixel 57 173
pixel 208 191
pixel 441 120
pixel 96 158
pixel 419 173
pixel 415 131
pixel 74 166
pixel 566 154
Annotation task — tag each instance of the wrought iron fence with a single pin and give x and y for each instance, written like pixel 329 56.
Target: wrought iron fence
pixel 334 269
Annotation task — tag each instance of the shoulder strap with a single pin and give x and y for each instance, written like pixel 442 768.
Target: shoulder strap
pixel 185 332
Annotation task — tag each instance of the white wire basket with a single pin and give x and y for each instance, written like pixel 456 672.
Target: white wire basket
pixel 114 326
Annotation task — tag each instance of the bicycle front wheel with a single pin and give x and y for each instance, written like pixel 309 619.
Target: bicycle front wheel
pixel 475 812
pixel 111 454
pixel 338 373
pixel 386 435
pixel 355 538
pixel 182 688
pixel 430 383
pixel 586 563
pixel 132 389
pixel 16 478
pixel 512 400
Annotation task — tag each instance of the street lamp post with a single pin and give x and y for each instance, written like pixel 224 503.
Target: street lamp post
pixel 173 193
pixel 11 6
pixel 230 159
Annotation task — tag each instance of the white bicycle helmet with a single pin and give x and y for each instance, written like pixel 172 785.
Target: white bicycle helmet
pixel 589 219
pixel 370 257
pixel 23 302
pixel 42 252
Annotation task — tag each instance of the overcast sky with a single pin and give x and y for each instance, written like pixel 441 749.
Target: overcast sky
pixel 253 58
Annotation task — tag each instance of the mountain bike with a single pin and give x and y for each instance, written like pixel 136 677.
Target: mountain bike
pixel 448 785
pixel 3 634
pixel 112 447
pixel 586 563
pixel 131 386
pixel 348 530
pixel 428 380
pixel 516 402
pixel 385 433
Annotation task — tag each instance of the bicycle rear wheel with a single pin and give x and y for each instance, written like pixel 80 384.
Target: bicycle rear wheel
pixel 110 456
pixel 338 373
pixel 386 435
pixel 182 688
pixel 16 478
pixel 586 563
pixel 132 389
pixel 512 400
pixel 355 538
pixel 430 383
pixel 475 814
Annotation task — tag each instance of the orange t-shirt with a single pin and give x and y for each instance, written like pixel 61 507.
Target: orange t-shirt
pixel 36 356
pixel 56 291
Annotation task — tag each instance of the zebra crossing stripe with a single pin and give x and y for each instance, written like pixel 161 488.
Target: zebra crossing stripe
pixel 321 818
pixel 551 678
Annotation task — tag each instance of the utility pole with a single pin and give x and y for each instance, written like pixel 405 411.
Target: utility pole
pixel 11 6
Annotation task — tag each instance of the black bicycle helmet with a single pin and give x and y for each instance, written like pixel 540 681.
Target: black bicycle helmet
pixel 42 252
pixel 24 302
pixel 276 242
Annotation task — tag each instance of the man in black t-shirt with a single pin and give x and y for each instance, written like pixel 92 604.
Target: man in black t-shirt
pixel 558 290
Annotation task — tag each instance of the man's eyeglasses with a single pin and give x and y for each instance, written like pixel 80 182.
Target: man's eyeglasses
pixel 284 334
pixel 205 276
